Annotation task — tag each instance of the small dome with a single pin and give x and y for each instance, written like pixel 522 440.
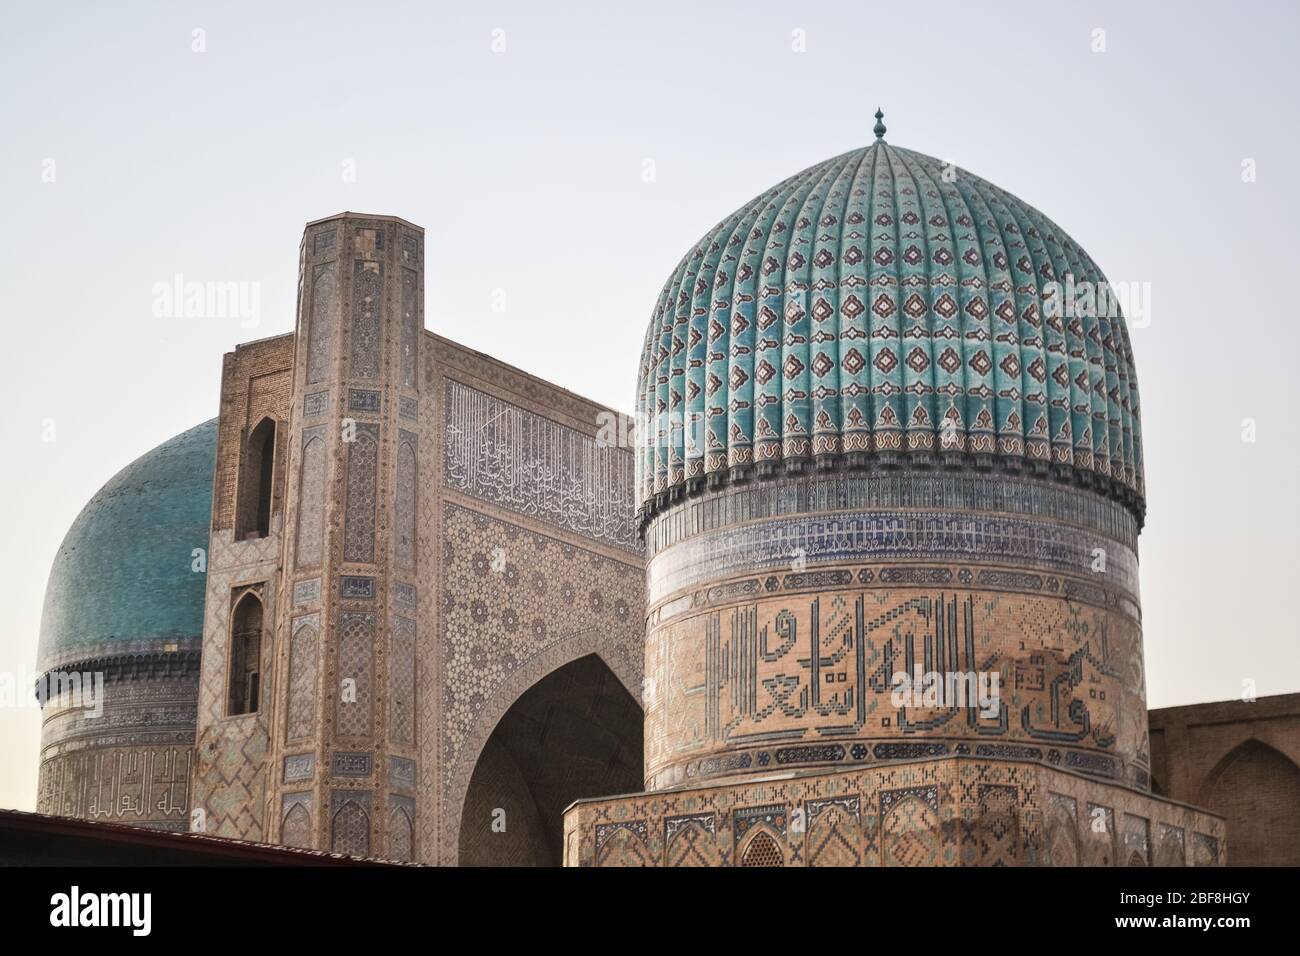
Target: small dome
pixel 123 580
pixel 884 307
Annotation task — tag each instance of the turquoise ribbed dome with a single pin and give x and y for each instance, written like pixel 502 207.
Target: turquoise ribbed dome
pixel 882 308
pixel 122 581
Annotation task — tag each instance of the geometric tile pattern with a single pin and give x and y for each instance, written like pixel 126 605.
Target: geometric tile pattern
pixel 304 653
pixel 404 507
pixel 320 335
pixel 350 822
pixel 834 832
pixel 999 825
pixel 952 811
pixel 1062 831
pixel 363 463
pixel 516 602
pixel 367 295
pixel 401 682
pixel 872 305
pixel 354 700
pixel 529 464
pixel 311 498
pixel 230 773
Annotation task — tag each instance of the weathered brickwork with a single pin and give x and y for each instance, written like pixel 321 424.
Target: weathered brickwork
pixel 131 762
pixel 256 382
pixel 792 663
pixel 1240 759
pixel 952 811
pixel 230 767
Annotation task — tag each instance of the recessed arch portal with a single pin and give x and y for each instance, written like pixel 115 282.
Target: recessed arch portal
pixel 575 733
pixel 1257 789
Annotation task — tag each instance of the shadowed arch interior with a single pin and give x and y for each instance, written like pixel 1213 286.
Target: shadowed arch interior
pixel 256 482
pixel 244 669
pixel 575 733
pixel 1257 789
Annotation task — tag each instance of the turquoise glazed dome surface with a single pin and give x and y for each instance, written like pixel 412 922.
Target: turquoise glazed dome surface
pixel 123 580
pixel 882 308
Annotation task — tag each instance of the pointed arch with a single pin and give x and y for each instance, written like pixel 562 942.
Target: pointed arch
pixel 1256 788
pixel 296 828
pixel 762 849
pixel 574 733
pixel 625 665
pixel 256 482
pixel 244 666
pixel 350 830
pixel 401 831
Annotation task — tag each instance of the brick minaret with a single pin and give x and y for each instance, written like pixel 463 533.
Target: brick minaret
pixel 342 765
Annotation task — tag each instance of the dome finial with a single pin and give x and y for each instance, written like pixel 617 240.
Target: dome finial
pixel 879 128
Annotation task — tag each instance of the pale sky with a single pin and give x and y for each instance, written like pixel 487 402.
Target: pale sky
pixel 528 165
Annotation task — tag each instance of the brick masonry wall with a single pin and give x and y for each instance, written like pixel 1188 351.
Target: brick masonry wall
pixel 230 772
pixel 947 812
pixel 1240 759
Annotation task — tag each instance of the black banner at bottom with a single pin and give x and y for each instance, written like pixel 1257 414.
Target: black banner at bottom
pixel 306 904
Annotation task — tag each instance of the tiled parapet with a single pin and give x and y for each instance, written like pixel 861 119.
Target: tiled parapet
pixel 955 811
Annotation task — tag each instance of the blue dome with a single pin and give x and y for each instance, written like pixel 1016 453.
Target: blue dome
pixel 881 305
pixel 122 582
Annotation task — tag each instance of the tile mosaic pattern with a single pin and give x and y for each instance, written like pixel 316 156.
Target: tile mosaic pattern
pixel 354 706
pixel 362 495
pixel 528 464
pixel 516 604
pixel 872 305
pixel 804 678
pixel 956 811
pixel 304 655
pixel 934 535
pixel 320 330
pixel 311 497
pixel 367 302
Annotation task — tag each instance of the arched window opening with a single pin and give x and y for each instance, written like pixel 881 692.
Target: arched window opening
pixel 245 656
pixel 762 851
pixel 255 483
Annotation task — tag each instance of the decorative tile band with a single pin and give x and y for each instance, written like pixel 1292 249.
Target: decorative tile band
pixel 777 544
pixel 363 400
pixel 958 491
pixel 315 404
pixel 531 465
pixel 299 767
pixel 353 764
pixel 306 592
pixel 856 752
pixel 357 587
